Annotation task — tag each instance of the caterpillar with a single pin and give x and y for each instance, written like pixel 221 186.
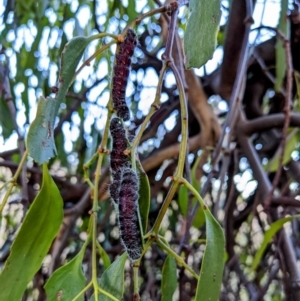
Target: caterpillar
pixel 121 73
pixel 118 159
pixel 128 214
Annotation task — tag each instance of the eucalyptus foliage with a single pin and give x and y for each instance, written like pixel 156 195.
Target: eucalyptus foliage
pixel 142 213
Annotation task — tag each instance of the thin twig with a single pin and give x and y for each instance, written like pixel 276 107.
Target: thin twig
pixel 287 110
pixel 267 122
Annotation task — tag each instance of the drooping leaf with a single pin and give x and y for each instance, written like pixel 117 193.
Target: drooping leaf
pixel 183 196
pixel 283 27
pixel 200 36
pixel 6 121
pixel 144 196
pixel 210 277
pixel 169 279
pixel 67 281
pixel 199 219
pixel 105 258
pixel 33 240
pixel 269 234
pixel 40 138
pixel 112 280
pixel 291 143
pixel 70 58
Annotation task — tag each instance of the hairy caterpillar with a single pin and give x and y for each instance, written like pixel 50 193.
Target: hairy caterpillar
pixel 118 159
pixel 121 73
pixel 128 214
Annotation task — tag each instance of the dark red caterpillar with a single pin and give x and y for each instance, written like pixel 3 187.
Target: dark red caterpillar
pixel 121 73
pixel 118 159
pixel 128 214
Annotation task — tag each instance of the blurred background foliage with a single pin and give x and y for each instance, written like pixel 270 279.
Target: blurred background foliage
pixel 33 34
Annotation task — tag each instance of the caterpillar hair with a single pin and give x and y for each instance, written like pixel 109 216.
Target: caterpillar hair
pixel 121 73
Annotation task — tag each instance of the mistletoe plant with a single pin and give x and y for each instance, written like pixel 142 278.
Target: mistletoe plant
pixel 129 188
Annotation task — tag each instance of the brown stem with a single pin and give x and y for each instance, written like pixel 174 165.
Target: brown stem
pixel 268 122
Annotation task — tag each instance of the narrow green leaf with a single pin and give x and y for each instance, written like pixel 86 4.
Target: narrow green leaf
pixel 199 219
pixel 70 58
pixel 144 199
pixel 67 281
pixel 131 10
pixel 42 6
pixel 200 36
pixel 104 256
pixel 269 234
pixel 6 121
pixel 291 143
pixel 169 279
pixel 40 138
pixel 283 27
pixel 112 280
pixel 33 240
pixel 210 280
pixel 183 196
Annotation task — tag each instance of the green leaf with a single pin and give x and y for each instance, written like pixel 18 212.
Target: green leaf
pixel 67 281
pixel 6 121
pixel 283 27
pixel 105 258
pixel 70 58
pixel 291 143
pixel 40 139
pixel 33 240
pixel 131 10
pixel 199 219
pixel 200 36
pixel 269 234
pixel 210 278
pixel 183 196
pixel 169 279
pixel 144 199
pixel 112 280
